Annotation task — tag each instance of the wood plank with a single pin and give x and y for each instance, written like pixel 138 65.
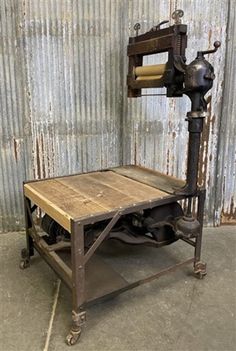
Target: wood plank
pixel 47 206
pixel 150 177
pixel 111 191
pixel 154 34
pixel 60 202
pixel 150 46
pixel 136 190
pixel 105 196
pixel 85 195
pixel 68 199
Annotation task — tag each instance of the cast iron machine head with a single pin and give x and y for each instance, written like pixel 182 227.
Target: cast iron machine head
pixel 178 77
pixel 194 79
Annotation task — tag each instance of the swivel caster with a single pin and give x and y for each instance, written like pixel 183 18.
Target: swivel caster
pixel 200 270
pixel 24 264
pixel 73 337
pixel 200 275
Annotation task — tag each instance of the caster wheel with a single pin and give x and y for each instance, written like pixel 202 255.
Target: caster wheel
pixel 200 270
pixel 73 337
pixel 200 275
pixel 24 264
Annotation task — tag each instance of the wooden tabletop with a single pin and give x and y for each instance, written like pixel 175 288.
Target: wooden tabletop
pixel 85 195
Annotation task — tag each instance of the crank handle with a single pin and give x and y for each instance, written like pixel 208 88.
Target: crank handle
pixel 217 44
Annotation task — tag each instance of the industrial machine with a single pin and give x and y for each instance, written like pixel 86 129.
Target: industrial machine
pixel 132 204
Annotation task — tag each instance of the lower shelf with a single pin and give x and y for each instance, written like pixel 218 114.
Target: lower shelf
pixel 100 278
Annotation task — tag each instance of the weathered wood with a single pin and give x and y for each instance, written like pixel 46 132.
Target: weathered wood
pixel 46 203
pixel 175 29
pixel 150 177
pixel 86 195
pixel 151 46
pixel 129 187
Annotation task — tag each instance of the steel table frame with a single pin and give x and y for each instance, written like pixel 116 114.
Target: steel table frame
pixel 74 277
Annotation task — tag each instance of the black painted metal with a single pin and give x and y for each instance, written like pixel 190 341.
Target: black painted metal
pixel 194 80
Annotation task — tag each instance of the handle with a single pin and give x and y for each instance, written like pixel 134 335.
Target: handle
pixel 217 44
pixel 158 27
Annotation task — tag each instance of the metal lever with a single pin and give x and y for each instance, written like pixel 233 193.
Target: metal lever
pixel 217 44
pixel 158 27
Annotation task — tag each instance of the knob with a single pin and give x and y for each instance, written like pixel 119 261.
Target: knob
pixel 137 26
pixel 177 15
pixel 217 44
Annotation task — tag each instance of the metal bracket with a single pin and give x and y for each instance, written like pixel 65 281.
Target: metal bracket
pixel 78 319
pixel 102 236
pixel 196 114
pixel 33 230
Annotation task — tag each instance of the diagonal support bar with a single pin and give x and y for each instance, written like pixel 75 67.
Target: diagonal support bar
pixel 33 230
pixel 101 237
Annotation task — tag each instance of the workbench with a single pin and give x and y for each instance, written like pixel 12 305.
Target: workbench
pixel 75 201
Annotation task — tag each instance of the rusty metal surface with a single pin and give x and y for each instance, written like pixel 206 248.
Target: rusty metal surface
pixel 63 105
pixel 100 278
pixel 225 211
pixel 75 277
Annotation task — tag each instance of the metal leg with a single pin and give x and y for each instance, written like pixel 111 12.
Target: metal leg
pixel 78 282
pixel 200 267
pixel 27 252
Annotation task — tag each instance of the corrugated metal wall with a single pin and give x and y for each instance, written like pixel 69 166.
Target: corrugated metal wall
pixel 63 95
pixel 61 87
pixel 225 207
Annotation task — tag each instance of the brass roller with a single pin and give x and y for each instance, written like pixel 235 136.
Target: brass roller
pixel 150 70
pixel 159 77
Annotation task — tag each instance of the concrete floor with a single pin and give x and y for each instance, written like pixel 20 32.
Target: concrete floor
pixel 174 313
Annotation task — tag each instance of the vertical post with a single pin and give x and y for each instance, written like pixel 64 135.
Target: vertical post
pixel 200 267
pixel 78 281
pixel 28 225
pixel 195 126
pixel 78 271
pixel 200 214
